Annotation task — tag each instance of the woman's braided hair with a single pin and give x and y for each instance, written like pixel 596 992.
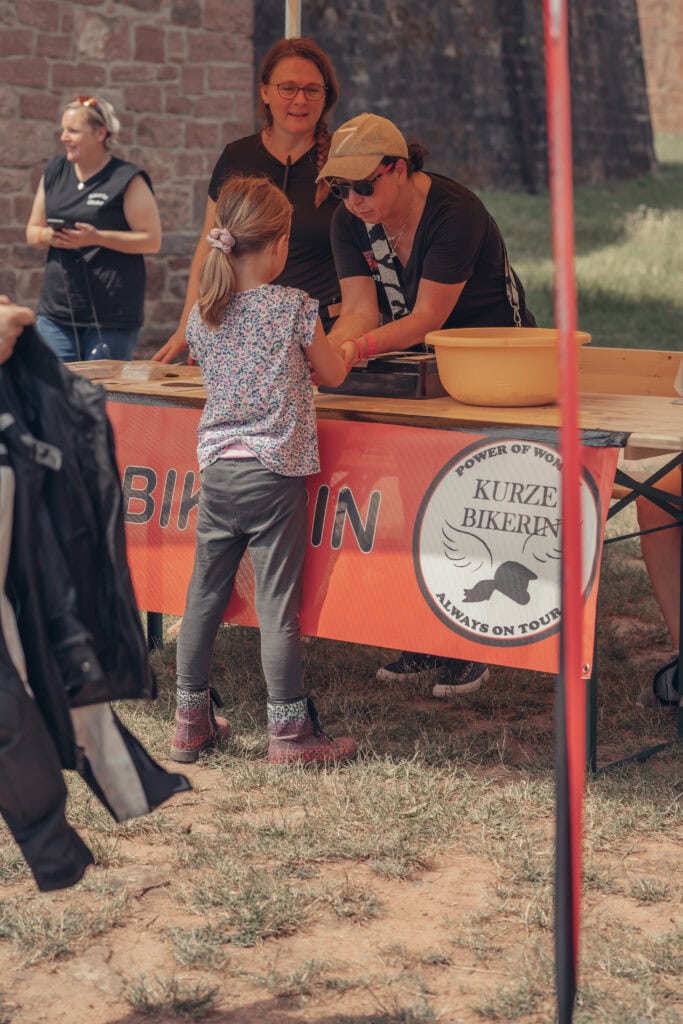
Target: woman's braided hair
pixel 308 50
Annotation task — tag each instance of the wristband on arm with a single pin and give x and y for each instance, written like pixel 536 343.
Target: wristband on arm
pixel 361 345
pixel 372 345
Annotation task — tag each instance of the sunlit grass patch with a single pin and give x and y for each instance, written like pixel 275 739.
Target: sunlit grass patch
pixel 249 905
pixel 171 998
pixel 200 947
pixel 41 929
pixel 352 902
pixel 628 253
pixel 650 890
pixel 310 978
pixel 512 1002
pixel 393 1010
pixel 12 864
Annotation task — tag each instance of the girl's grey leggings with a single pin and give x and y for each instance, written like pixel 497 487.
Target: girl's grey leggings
pixel 243 505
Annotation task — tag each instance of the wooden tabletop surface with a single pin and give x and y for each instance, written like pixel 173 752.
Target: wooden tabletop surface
pixel 653 423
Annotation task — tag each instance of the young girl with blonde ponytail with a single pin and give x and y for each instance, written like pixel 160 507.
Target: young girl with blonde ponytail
pixel 257 443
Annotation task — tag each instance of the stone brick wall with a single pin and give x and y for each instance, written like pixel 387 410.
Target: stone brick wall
pixel 180 75
pixel 467 79
pixel 661 26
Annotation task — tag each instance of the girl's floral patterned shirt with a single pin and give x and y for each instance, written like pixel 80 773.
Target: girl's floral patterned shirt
pixel 258 385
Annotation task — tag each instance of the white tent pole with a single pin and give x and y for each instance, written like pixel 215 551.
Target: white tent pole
pixel 292 18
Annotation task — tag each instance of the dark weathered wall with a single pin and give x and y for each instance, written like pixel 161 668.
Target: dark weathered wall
pixel 467 79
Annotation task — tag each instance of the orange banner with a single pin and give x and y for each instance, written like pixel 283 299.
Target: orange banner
pixel 427 540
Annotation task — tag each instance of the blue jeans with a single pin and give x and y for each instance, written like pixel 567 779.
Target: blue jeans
pixel 77 343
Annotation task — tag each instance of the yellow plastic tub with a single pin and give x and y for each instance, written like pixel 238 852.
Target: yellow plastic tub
pixel 511 366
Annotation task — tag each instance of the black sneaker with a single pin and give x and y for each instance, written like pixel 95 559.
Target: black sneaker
pixel 663 691
pixel 459 677
pixel 451 676
pixel 410 667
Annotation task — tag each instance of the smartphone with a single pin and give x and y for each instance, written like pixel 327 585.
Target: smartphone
pixel 60 222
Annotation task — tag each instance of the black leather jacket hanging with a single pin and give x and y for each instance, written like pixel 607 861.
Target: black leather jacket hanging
pixel 70 587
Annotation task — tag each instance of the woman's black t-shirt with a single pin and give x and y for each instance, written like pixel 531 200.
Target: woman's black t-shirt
pixel 77 279
pixel 456 240
pixel 310 265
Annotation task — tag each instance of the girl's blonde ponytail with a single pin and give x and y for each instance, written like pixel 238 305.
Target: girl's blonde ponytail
pixel 256 213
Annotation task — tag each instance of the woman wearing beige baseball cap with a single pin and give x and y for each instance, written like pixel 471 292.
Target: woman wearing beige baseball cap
pixel 414 252
pixel 443 245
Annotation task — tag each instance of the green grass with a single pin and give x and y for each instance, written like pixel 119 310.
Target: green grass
pixel 629 257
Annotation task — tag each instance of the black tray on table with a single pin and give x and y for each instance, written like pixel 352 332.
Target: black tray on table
pixel 395 375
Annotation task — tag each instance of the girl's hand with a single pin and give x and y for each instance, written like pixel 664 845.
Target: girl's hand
pixel 350 352
pixel 315 380
pixel 175 345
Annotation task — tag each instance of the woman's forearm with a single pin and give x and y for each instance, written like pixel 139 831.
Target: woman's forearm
pixel 399 334
pixel 351 325
pixel 39 235
pixel 131 242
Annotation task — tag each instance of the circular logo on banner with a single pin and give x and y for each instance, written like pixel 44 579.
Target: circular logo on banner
pixel 487 542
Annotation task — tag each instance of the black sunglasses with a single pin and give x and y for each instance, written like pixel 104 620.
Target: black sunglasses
pixel 366 187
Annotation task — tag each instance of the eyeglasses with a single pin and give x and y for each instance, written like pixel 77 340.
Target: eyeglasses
pixel 366 187
pixel 289 90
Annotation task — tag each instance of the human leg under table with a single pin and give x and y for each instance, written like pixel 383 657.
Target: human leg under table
pixel 662 556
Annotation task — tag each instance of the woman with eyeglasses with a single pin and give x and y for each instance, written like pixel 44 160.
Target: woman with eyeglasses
pixel 414 252
pixel 298 90
pixel 97 216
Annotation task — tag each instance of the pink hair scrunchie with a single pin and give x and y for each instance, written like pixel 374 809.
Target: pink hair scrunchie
pixel 220 238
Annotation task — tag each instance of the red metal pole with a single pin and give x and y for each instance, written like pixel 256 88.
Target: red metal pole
pixel 570 703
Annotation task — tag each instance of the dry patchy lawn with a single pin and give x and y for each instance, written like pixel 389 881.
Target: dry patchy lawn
pixel 413 886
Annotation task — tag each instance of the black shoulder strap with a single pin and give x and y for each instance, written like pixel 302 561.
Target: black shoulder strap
pixel 386 268
pixel 511 289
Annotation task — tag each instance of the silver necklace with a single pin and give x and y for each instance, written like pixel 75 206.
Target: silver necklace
pixel 394 239
pixel 81 184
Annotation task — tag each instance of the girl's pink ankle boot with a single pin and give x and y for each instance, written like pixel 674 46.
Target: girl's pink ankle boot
pixel 295 735
pixel 196 727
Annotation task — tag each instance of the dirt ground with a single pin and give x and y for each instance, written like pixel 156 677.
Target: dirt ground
pixel 414 887
pixel 403 965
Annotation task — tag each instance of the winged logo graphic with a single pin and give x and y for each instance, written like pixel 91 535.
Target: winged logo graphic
pixel 512 578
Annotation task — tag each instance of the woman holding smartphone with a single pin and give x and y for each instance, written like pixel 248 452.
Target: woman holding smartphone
pixel 96 215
